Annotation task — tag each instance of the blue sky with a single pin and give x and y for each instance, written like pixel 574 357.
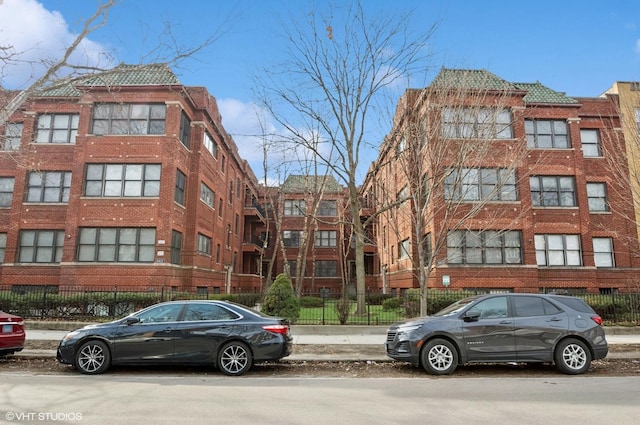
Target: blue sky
pixel 577 47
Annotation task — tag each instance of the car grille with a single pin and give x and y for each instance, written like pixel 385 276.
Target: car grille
pixel 391 335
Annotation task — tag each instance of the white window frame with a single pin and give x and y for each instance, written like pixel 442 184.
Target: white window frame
pixel 603 255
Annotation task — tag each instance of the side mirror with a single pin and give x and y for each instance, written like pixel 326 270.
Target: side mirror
pixel 131 320
pixel 471 316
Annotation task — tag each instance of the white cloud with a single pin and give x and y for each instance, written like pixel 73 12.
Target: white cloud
pixel 637 46
pixel 36 36
pixel 247 124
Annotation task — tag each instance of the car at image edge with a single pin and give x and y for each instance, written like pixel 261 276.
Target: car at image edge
pixel 223 334
pixel 12 333
pixel 502 328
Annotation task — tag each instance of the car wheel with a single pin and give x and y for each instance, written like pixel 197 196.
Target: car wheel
pixel 439 357
pixel 572 357
pixel 234 358
pixel 93 357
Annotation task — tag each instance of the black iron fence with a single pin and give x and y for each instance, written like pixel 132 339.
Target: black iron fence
pixel 323 308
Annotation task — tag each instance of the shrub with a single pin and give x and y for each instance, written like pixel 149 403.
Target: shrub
pixel 280 300
pixel 391 304
pixel 311 302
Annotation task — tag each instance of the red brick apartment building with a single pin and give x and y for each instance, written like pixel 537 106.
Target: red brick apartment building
pixel 553 218
pixel 129 179
pixel 126 179
pixel 313 211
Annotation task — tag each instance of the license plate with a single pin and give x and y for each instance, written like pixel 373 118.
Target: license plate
pixel 7 329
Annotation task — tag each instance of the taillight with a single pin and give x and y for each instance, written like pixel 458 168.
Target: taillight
pixel 277 329
pixel 597 319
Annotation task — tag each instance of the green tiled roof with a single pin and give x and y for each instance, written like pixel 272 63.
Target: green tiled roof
pixel 484 80
pixel 122 75
pixel 301 183
pixel 470 79
pixel 537 93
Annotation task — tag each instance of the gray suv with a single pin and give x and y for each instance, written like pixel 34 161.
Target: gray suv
pixel 499 328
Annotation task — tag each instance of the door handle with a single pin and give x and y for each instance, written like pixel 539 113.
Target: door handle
pixel 506 322
pixel 167 330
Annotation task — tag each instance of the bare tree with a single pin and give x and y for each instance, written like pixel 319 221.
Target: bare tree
pixel 62 71
pixel 450 157
pixel 338 67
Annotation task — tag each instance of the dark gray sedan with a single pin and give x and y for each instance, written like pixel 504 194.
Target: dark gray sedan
pixel 226 335
pixel 523 328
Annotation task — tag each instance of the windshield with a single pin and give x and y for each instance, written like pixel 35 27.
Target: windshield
pixel 455 307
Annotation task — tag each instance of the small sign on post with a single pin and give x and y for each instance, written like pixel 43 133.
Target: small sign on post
pixel 446 280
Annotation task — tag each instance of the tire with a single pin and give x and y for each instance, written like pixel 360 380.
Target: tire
pixel 93 358
pixel 439 357
pixel 234 359
pixel 572 357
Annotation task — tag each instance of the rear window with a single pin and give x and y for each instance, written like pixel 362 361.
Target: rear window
pixel 577 304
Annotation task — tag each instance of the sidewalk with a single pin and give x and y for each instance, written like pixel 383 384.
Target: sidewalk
pixel 334 343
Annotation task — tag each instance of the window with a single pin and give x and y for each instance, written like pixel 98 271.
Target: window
pixel 590 143
pixel 238 188
pixel 218 252
pixel 484 247
pixel 558 250
pixel 475 184
pixel 426 246
pixel 3 246
pixel 223 164
pixel 553 191
pixel 207 195
pixel 160 314
pixel 533 306
pixel 220 204
pixel 293 267
pixel 210 145
pixel 328 208
pixel 48 186
pixel 402 145
pixel 230 198
pixel 603 252
pixel 403 249
pixel 326 238
pixel 176 247
pixel 122 180
pixel 12 136
pixel 107 244
pixel 40 246
pixel 6 191
pixel 204 244
pixel 185 129
pixel 492 308
pixel 402 196
pixel 295 207
pixel 545 134
pixel 118 118
pixel 481 123
pixel 197 312
pixel 326 268
pixel 228 236
pixel 597 194
pixel 181 183
pixel 291 238
pixel 236 225
pixel 57 128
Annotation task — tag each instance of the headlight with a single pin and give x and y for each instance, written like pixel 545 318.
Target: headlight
pixel 404 331
pixel 70 335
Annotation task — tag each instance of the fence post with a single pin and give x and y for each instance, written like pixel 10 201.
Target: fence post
pixel 43 313
pixel 613 304
pixel 367 296
pixel 115 302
